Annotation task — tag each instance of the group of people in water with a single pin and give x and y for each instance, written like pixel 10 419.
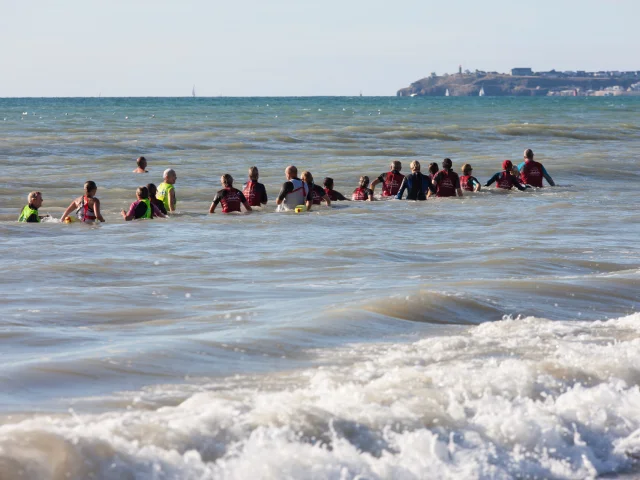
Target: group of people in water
pixel 300 194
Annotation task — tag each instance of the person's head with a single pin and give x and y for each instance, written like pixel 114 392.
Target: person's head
pixel 415 166
pixel 467 169
pixel 170 176
pixel 396 165
pixel 307 178
pixel 35 199
pixel 141 162
pixel 447 164
pixel 328 183
pixel 433 168
pixel 364 181
pixel 507 165
pixel 291 172
pixel 528 154
pixel 254 174
pixel 151 187
pixel 142 192
pixel 90 188
pixel 226 180
pixel 515 171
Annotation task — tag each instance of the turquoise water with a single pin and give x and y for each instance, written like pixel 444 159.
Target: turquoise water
pixel 484 337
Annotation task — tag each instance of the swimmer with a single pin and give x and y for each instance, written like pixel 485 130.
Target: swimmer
pixel 447 181
pixel 294 191
pixel 391 180
pixel 363 192
pixel 166 190
pixel 417 184
pixel 141 162
pixel 532 172
pixel 467 181
pixel 317 192
pixel 506 179
pixel 30 211
pixel 328 189
pixel 87 207
pixel 230 198
pixel 255 192
pixel 152 197
pixel 142 207
pixel 433 170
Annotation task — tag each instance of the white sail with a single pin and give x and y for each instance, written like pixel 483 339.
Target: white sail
pixel 446 94
pixel 481 94
pixel 193 91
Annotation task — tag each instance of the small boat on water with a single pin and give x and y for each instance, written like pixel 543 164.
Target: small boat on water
pixel 413 95
pixel 481 94
pixel 446 94
pixel 193 92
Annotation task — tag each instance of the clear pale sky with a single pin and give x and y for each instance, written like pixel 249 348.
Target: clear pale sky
pixel 287 47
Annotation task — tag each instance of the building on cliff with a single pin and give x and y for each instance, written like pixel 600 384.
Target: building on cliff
pixel 521 72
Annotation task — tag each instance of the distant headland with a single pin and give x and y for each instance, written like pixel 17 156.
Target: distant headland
pixel 525 82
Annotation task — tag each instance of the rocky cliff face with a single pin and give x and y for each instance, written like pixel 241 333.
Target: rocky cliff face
pixel 505 85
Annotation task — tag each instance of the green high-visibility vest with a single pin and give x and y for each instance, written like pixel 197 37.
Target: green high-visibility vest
pixel 163 194
pixel 27 212
pixel 147 202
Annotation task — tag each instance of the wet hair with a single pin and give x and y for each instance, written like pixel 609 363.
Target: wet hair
pixel 168 172
pixel 90 186
pixel 528 154
pixel 396 165
pixel 415 166
pixel 254 174
pixel 433 168
pixel 142 192
pixel 364 181
pixel 447 164
pixel 226 180
pixel 307 178
pixel 291 170
pixel 466 169
pixel 152 189
pixel 328 183
pixel 140 161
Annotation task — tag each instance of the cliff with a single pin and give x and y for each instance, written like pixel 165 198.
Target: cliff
pixel 464 85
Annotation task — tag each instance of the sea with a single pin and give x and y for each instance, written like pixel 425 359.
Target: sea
pixel 493 336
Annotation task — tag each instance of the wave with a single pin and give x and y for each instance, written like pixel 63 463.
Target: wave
pixel 556 131
pixel 515 398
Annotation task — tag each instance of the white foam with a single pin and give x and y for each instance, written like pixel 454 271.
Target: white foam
pixel 525 397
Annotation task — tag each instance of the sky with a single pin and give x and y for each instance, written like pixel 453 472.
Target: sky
pixel 297 48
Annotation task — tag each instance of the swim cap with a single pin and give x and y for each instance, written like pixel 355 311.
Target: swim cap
pixel 507 165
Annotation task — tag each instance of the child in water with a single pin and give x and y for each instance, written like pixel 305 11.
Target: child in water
pixel 317 192
pixel 87 207
pixel 467 181
pixel 433 169
pixel 363 192
pixel 331 193
pixel 152 197
pixel 231 198
pixel 30 211
pixel 166 191
pixel 142 207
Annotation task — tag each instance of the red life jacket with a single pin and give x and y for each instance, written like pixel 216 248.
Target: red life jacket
pixel 532 173
pixel 252 194
pixel 505 180
pixel 446 187
pixel 317 194
pixel 231 200
pixel 360 194
pixel 332 194
pixel 88 215
pixel 465 183
pixel 391 185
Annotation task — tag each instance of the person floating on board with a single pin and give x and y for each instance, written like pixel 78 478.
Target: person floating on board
pixel 141 162
pixel 328 189
pixel 363 192
pixel 391 180
pixel 294 192
pixel 447 181
pixel 468 182
pixel 230 198
pixel 254 191
pixel 532 172
pixel 153 190
pixel 166 190
pixel 506 179
pixel 29 213
pixel 433 170
pixel 87 207
pixel 142 207
pixel 416 184
pixel 317 192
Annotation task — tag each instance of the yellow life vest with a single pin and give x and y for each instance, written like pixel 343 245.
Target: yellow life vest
pixel 163 194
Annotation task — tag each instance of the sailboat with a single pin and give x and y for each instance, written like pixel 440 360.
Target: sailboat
pixel 446 94
pixel 193 92
pixel 481 94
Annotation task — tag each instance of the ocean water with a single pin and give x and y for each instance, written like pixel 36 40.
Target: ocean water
pixel 494 336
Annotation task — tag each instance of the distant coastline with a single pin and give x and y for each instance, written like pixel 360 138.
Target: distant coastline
pixel 524 82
